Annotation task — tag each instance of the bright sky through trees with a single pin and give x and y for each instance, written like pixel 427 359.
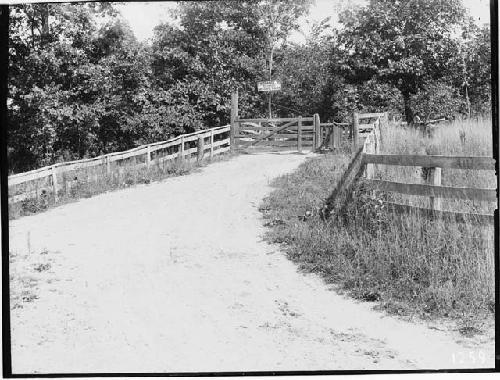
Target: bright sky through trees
pixel 143 17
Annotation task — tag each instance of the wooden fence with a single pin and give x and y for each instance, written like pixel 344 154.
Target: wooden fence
pixel 288 133
pixel 367 156
pixel 272 133
pixel 332 135
pixel 57 178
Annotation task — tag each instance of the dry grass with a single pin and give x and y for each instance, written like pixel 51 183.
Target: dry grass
pixel 460 138
pixel 412 266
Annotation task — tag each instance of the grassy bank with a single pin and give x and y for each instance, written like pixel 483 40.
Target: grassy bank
pixel 410 265
pixel 93 181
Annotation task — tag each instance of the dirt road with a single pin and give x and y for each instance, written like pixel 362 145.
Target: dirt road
pixel 174 276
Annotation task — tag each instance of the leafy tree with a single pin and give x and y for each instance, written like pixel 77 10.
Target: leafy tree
pixel 478 70
pixel 403 43
pixel 376 96
pixel 58 77
pixel 437 99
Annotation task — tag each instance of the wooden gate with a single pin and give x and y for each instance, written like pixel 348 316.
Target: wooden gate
pixel 279 134
pixel 297 133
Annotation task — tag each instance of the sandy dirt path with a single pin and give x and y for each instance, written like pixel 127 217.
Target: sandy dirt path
pixel 175 277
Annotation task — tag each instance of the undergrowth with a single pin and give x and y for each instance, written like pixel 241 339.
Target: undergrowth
pixel 410 265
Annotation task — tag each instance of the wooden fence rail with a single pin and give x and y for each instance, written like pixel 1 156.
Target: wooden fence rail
pixel 434 191
pixel 218 142
pixel 366 157
pixel 449 162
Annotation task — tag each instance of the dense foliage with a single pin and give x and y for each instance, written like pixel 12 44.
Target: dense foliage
pixel 80 84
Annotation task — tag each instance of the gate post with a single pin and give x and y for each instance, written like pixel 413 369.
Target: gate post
pixel 299 134
pixel 317 132
pixel 234 116
pixel 355 130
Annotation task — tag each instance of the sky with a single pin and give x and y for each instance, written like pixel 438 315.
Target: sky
pixel 143 17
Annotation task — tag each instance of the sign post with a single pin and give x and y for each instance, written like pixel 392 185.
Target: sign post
pixel 269 86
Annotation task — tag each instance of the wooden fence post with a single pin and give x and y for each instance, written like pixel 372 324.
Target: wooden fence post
pixel 108 166
pixel 337 136
pixel 55 188
pixel 234 116
pixel 211 143
pixel 181 149
pixel 369 147
pixel 376 134
pixel 299 134
pixel 200 148
pixel 317 132
pixel 435 179
pixel 355 130
pixel 148 156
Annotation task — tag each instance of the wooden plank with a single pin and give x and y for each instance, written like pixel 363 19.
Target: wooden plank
pixel 190 151
pixel 249 124
pixel 299 135
pixel 355 131
pixel 282 120
pixel 294 136
pixel 337 198
pixel 29 176
pixel 219 130
pixel 222 150
pixel 458 217
pixel 451 162
pixel 434 191
pixel 165 145
pixel 317 132
pixel 211 143
pixel 55 185
pixel 200 148
pixel 46 171
pixel 131 153
pixel 331 125
pixel 181 148
pixel 435 180
pixel 169 157
pixel 292 128
pixel 369 147
pixel 234 117
pixel 370 115
pixel 266 136
pixel 148 157
pixel 287 143
pixel 221 142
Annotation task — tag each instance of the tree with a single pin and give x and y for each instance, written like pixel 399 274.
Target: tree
pixel 478 69
pixel 303 72
pixel 403 43
pixel 435 100
pixel 65 73
pixel 277 19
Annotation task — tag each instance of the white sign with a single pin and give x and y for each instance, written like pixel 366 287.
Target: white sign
pixel 269 86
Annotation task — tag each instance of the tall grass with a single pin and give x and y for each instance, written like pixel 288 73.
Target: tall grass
pixel 459 138
pixel 409 264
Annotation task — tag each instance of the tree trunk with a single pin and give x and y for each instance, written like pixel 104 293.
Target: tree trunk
pixel 408 111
